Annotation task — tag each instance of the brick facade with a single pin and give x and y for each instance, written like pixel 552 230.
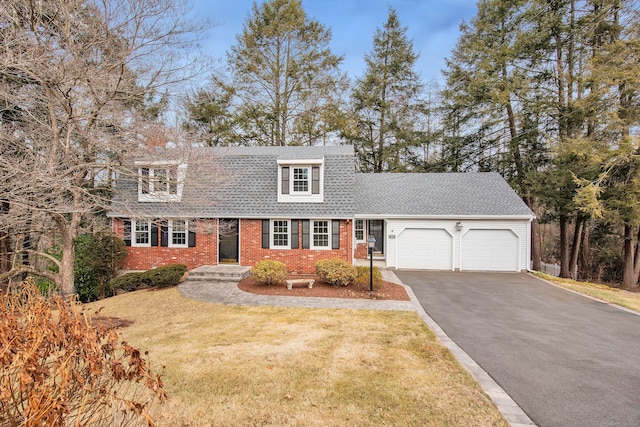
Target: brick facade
pixel 362 251
pixel 297 260
pixel 206 250
pixel 144 258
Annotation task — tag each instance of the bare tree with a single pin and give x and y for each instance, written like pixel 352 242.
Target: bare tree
pixel 77 78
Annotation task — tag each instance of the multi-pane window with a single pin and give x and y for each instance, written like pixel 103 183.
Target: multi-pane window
pixel 142 231
pixel 158 180
pixel 321 234
pixel 300 180
pixel 178 232
pixel 280 233
pixel 359 229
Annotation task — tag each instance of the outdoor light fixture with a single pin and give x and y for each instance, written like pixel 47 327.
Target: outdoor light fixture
pixel 458 226
pixel 371 242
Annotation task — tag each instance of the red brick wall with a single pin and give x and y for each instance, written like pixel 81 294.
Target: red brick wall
pixel 297 260
pixel 362 251
pixel 144 258
pixel 206 250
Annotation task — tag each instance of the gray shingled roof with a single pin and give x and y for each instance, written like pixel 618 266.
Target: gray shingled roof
pixel 241 182
pixel 436 194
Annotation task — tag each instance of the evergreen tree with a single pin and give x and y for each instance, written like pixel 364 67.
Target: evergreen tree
pixel 283 81
pixel 386 102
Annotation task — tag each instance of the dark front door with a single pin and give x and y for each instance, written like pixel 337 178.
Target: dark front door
pixel 228 241
pixel 376 229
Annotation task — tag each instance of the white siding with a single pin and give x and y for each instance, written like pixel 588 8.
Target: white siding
pixel 519 228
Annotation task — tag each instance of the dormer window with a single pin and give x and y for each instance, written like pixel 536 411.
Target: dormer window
pixel 160 182
pixel 300 182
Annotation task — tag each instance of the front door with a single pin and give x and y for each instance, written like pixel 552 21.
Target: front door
pixel 376 229
pixel 228 241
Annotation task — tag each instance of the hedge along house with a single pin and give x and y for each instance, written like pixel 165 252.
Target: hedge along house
pixel 299 205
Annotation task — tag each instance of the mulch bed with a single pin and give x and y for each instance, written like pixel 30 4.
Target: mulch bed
pixel 386 291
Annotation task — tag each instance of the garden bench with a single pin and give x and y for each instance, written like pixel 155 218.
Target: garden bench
pixel 308 282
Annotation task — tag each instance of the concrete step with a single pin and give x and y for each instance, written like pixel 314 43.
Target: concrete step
pixel 219 273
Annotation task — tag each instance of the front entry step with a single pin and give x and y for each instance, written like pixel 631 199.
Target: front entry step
pixel 218 273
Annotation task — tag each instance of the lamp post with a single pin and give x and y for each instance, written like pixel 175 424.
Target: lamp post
pixel 371 242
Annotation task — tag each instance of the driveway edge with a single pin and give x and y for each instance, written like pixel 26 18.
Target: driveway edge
pixel 509 409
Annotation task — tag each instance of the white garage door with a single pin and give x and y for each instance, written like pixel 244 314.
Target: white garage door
pixel 429 249
pixel 494 250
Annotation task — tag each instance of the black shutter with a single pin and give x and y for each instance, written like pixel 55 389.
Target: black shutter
pixel 164 233
pixel 154 233
pixel 295 236
pixel 127 232
pixel 285 180
pixel 315 180
pixel 265 234
pixel 335 234
pixel 305 234
pixel 191 237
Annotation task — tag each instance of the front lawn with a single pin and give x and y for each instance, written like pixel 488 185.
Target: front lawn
pixel 278 366
pixel 613 295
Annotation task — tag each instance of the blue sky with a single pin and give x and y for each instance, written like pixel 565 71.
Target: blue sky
pixel 432 26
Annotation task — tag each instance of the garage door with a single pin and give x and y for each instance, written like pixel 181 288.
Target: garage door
pixel 494 250
pixel 429 249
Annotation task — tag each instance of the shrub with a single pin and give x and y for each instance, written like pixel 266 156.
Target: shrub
pixel 167 275
pixel 269 272
pixel 363 277
pixel 60 369
pixel 97 258
pixel 128 282
pixel 336 271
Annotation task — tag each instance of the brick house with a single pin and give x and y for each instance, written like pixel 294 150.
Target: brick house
pixel 299 205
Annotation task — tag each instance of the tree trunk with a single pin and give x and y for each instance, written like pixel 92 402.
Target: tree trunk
pixel 67 286
pixel 586 253
pixel 535 236
pixel 575 247
pixel 564 247
pixel 631 270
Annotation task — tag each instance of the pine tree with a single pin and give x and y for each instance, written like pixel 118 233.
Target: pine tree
pixel 386 101
pixel 284 78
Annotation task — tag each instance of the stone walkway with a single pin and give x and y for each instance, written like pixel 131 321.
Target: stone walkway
pixel 228 293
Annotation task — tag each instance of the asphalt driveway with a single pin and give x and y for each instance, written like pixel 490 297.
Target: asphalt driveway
pixel 565 359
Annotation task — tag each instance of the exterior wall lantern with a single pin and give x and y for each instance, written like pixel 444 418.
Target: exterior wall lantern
pixel 458 226
pixel 371 242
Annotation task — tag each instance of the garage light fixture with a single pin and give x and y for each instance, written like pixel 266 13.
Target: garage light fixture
pixel 458 226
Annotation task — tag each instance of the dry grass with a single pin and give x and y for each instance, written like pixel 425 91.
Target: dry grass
pixel 275 366
pixel 613 295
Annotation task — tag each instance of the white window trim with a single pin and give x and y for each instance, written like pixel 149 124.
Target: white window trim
pixel 161 196
pixel 186 234
pixel 364 230
pixel 272 234
pixel 292 191
pixel 299 196
pixel 312 235
pixel 134 234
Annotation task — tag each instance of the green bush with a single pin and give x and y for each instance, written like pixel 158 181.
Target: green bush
pixel 167 275
pixel 336 271
pixel 128 282
pixel 162 277
pixel 269 272
pixel 363 277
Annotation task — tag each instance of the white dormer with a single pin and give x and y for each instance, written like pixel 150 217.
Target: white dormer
pixel 300 180
pixel 160 181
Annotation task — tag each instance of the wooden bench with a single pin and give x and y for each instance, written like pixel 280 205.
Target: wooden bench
pixel 308 282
